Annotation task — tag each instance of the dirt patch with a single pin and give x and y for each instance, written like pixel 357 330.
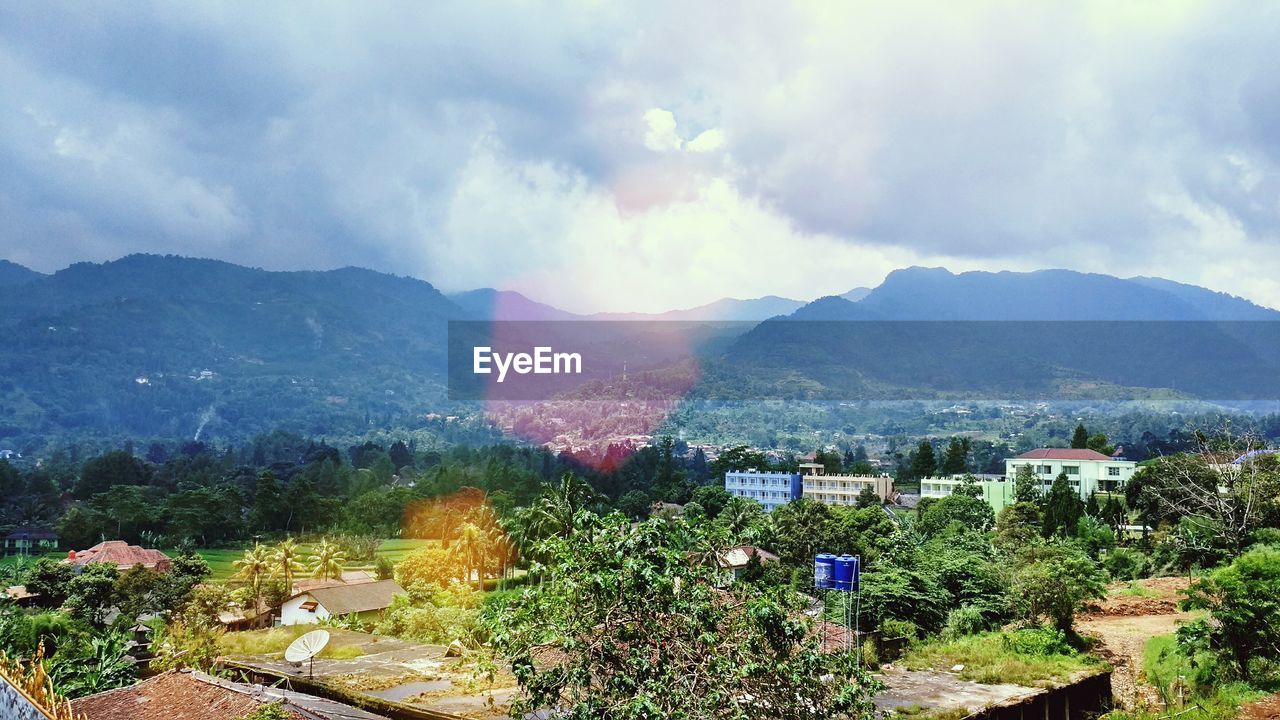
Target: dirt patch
pixel 1264 709
pixel 1153 596
pixel 1122 625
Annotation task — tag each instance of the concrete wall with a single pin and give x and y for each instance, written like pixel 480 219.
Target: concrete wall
pixel 291 613
pixel 1084 699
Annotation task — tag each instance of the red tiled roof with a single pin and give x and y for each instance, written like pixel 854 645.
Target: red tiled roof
pixel 1062 454
pixel 122 554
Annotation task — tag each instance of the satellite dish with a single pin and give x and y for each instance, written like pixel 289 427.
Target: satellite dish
pixel 307 647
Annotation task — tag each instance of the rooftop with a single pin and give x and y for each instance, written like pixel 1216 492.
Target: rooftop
pixel 1063 454
pixel 178 695
pixel 30 533
pixel 363 597
pixel 121 554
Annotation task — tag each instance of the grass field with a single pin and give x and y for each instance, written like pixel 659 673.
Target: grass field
pixel 221 560
pixel 986 659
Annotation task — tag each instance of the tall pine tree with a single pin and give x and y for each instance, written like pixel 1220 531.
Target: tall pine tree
pixel 1080 438
pixel 923 464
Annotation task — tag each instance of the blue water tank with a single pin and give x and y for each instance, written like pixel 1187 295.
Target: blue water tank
pixel 824 571
pixel 846 569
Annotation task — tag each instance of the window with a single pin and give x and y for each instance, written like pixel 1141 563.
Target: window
pixel 1044 469
pixel 1071 469
pixel 1113 472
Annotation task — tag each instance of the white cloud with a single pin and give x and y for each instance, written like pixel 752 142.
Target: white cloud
pixel 661 135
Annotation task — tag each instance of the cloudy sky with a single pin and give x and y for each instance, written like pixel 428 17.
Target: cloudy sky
pixel 643 156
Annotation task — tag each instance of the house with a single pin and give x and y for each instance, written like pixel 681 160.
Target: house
pixel 121 554
pixel 349 577
pixel 196 696
pixel 735 560
pixel 1088 471
pixel 30 541
pixel 365 600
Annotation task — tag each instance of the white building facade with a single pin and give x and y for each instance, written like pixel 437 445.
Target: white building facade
pixel 1088 471
pixel 770 489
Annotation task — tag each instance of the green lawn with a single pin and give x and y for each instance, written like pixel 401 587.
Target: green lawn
pixel 986 659
pixel 221 560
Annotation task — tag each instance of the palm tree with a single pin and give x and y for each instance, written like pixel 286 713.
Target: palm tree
pixel 554 511
pixel 327 560
pixel 739 514
pixel 253 567
pixel 472 550
pixel 284 562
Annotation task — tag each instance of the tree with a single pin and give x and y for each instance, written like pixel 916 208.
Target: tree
pixel 284 562
pixel 923 463
pixel 712 498
pixel 1054 581
pixel 1080 438
pixel 471 551
pixel 955 460
pixel 634 504
pixel 254 567
pixel 1098 443
pixel 48 578
pixel 560 502
pixel 868 498
pixel 327 560
pixel 1243 599
pixel 1231 498
pixel 803 528
pixel 1062 508
pixel 635 630
pixel 111 470
pixel 961 511
pixel 739 457
pixel 268 503
pixel 669 482
pixel 1026 485
pixel 92 592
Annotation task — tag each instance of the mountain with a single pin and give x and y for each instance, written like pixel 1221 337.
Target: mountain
pixel 1211 304
pixel 927 332
pixel 491 304
pixel 722 310
pixel 150 345
pixel 856 294
pixel 12 273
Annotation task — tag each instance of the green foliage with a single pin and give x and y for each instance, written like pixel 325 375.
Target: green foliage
pixel 891 592
pixel 989 658
pixel 49 579
pixel 965 620
pixel 1062 508
pixel 269 711
pixel 383 568
pixel 1054 581
pixel 100 663
pixel 1037 641
pixel 1243 599
pixel 92 592
pixel 957 513
pixel 1080 438
pixel 1124 563
pixel 625 626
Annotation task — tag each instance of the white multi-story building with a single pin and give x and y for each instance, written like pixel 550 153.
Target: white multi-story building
pixel 818 486
pixel 1088 471
pixel 770 489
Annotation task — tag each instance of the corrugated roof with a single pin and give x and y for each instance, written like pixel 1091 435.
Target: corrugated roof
pixel 343 599
pixel 1062 454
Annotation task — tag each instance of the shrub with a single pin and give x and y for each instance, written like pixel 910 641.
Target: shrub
pixel 1126 564
pixel 1037 641
pixel 966 620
